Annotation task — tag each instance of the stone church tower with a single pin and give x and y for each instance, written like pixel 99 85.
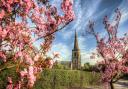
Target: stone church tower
pixel 76 57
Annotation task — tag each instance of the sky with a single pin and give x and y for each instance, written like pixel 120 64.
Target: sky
pixel 86 10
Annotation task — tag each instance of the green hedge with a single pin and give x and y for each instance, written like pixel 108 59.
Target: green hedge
pixel 55 78
pixel 61 79
pixel 4 74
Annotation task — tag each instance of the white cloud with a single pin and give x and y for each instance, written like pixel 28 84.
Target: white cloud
pixel 85 57
pixel 124 11
pixel 84 14
pixel 92 9
pixel 124 16
pixel 65 53
pixel 78 13
pixel 82 42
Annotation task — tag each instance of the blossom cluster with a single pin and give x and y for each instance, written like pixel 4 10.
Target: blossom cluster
pixel 16 34
pixel 113 50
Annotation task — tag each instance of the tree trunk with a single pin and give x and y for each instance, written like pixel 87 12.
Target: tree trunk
pixel 111 85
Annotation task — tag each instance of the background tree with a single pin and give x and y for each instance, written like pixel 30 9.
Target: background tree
pixel 112 49
pixel 87 67
pixel 22 23
pixel 58 65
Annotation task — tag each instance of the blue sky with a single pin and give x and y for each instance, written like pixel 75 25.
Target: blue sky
pixel 86 10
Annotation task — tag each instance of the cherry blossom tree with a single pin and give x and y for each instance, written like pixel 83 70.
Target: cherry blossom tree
pixel 22 23
pixel 112 49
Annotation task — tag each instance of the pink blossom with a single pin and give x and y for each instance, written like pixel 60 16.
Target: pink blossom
pixel 31 76
pixel 10 85
pixel 56 54
pixel 19 54
pixel 10 1
pixel 18 85
pixel 67 9
pixel 36 58
pixel 2 56
pixel 4 33
pixel 30 70
pixel 51 62
pixel 29 60
pixel 9 79
pixel 2 13
pixel 23 73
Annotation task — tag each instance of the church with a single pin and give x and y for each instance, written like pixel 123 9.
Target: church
pixel 75 63
pixel 76 56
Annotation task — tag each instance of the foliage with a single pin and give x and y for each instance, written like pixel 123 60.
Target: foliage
pixel 58 66
pixel 8 72
pixel 88 67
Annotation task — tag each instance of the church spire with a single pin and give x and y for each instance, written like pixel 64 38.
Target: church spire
pixel 76 57
pixel 76 46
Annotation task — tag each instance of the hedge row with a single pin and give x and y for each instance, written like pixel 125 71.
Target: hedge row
pixel 61 79
pixel 55 78
pixel 4 74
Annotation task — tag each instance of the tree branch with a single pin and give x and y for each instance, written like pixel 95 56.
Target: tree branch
pixel 54 31
pixel 119 77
